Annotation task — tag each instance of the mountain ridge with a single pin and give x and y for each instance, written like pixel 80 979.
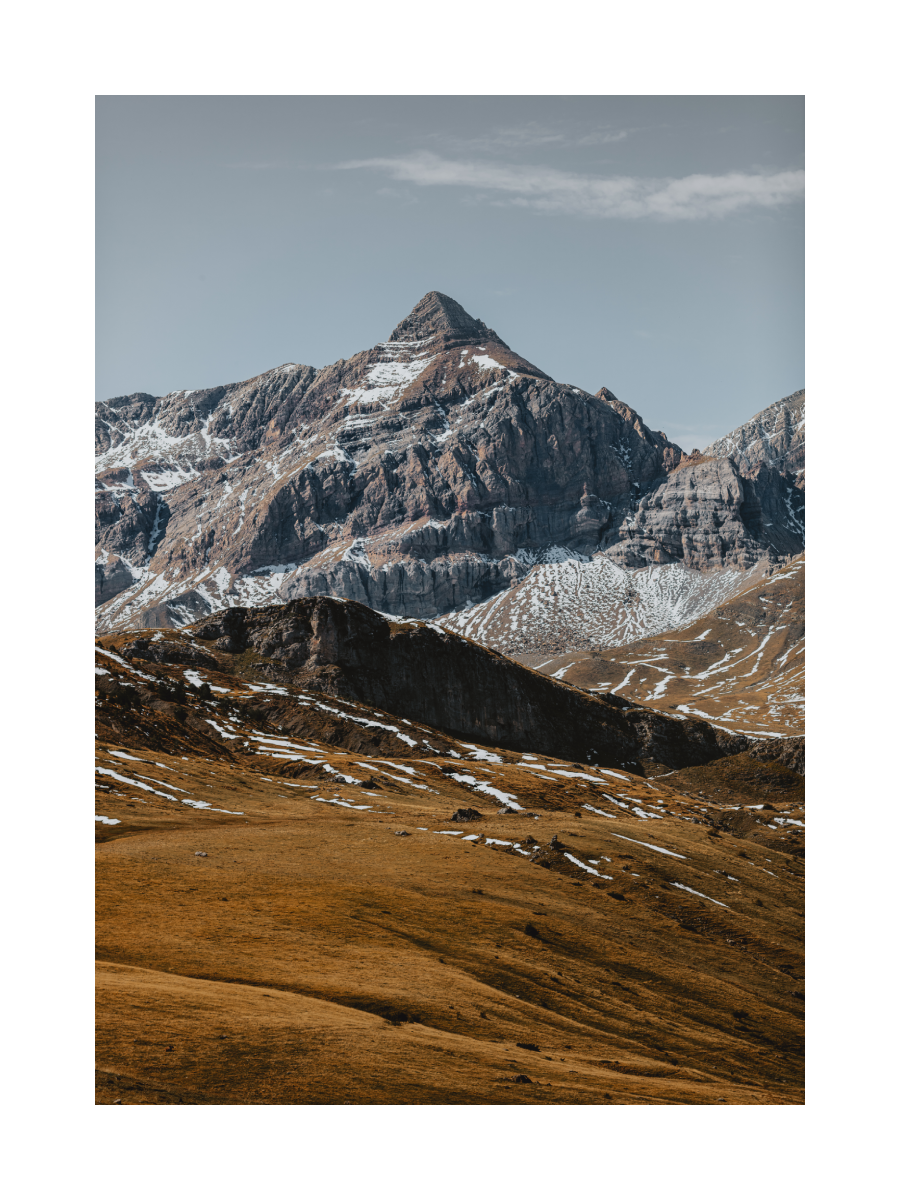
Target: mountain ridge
pixel 426 674
pixel 417 477
pixel 774 437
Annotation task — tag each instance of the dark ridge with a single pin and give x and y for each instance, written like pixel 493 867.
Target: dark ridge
pixel 447 682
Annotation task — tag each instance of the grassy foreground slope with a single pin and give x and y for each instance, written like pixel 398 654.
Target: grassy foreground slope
pixel 266 934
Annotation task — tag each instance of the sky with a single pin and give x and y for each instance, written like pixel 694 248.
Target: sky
pixel 651 245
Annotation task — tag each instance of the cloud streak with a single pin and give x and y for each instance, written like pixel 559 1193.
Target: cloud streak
pixel 518 137
pixel 564 193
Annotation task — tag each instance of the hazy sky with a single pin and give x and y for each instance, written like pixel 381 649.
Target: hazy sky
pixel 652 245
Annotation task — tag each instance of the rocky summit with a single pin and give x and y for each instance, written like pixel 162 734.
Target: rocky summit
pixel 420 478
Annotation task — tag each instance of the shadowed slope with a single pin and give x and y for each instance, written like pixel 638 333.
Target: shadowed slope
pixel 425 674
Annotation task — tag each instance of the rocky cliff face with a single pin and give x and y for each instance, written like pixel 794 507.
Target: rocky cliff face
pixel 418 477
pixel 707 514
pixel 735 504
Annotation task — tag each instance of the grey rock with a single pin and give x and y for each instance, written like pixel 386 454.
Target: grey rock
pixel 790 751
pixel 112 575
pixel 175 653
pixel 706 515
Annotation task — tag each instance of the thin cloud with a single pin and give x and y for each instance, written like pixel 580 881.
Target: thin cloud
pixel 563 193
pixel 519 137
pixel 601 137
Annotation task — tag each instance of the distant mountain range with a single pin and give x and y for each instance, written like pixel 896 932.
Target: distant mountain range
pixel 425 477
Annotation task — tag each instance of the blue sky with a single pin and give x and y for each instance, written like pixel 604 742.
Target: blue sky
pixel 653 245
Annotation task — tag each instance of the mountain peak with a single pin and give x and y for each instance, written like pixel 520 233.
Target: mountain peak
pixel 437 314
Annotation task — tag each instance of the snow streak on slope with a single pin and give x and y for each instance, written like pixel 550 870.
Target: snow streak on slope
pixel 740 666
pixel 398 365
pixel 206 591
pixel 579 605
pixel 172 458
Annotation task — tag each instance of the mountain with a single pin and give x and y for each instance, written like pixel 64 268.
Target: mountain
pixel 304 897
pixel 716 509
pixel 580 603
pixel 740 666
pixel 707 514
pixel 422 476
pixel 774 438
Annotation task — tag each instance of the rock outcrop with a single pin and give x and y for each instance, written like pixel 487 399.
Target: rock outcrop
pixel 706 514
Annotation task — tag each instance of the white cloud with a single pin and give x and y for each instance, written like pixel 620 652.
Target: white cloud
pixel 547 190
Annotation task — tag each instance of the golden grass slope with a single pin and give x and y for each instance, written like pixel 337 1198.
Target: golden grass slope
pixel 285 943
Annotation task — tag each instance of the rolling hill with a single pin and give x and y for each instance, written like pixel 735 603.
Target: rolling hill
pixel 303 898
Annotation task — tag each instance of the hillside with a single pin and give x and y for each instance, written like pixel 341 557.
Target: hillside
pixel 575 604
pixel 740 666
pixel 305 898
